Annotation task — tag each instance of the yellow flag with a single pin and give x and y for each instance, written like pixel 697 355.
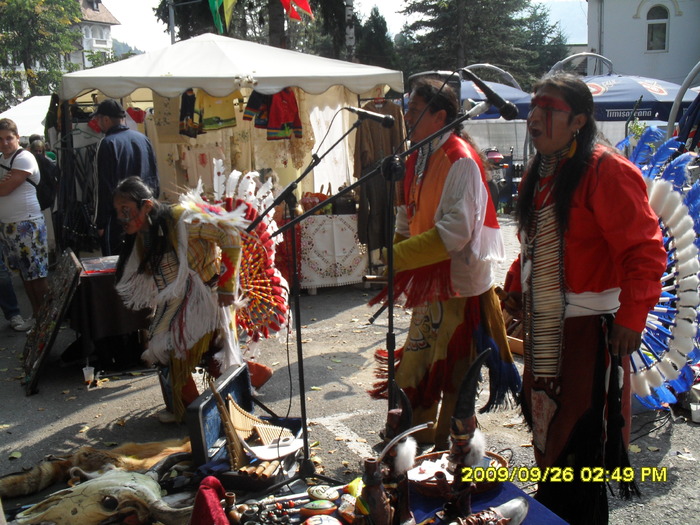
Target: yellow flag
pixel 228 11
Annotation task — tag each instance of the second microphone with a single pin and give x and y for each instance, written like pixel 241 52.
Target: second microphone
pixel 385 120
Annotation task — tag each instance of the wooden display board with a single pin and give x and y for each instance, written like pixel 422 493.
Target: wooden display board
pixel 62 285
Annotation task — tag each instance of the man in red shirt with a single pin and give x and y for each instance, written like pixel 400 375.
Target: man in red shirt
pixel 589 272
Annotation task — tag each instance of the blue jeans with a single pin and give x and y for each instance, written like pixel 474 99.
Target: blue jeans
pixel 8 299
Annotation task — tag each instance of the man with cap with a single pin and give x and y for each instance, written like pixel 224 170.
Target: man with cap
pixel 122 152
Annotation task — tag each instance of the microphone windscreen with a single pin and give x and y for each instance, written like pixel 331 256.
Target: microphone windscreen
pixel 509 111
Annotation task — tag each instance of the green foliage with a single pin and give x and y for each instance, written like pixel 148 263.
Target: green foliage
pixel 636 128
pixel 99 58
pixel 374 47
pixel 510 34
pixel 545 40
pixel 331 14
pixel 36 36
pixel 325 35
pixel 10 89
pixel 189 20
pixel 264 22
pixel 123 50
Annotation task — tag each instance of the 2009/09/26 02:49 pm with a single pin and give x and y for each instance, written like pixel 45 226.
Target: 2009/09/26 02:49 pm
pixel 563 474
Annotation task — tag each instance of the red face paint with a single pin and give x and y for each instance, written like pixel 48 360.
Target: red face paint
pixel 548 105
pixel 129 215
pixel 137 223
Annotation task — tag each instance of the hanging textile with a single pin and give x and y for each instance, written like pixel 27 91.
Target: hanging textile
pixel 188 127
pixel 278 114
pixel 374 142
pixel 217 112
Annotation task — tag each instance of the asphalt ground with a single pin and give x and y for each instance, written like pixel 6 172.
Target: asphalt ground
pixel 337 345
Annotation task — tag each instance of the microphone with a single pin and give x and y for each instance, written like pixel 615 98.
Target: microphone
pixel 386 121
pixel 508 110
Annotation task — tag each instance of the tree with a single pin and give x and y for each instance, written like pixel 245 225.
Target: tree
pixel 265 22
pixel 325 35
pixel 35 36
pixel 100 58
pixel 190 20
pixel 374 47
pixel 123 50
pixel 547 42
pixel 449 34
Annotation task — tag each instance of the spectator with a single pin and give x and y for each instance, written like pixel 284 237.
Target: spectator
pixel 22 227
pixel 122 153
pixel 8 301
pixel 50 174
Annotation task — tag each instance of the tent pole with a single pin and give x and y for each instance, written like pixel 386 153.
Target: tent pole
pixel 679 98
pixel 171 21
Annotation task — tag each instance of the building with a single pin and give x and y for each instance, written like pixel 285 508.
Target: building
pixel 648 38
pixel 96 27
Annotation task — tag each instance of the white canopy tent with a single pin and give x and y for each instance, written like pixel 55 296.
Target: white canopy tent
pixel 29 115
pixel 222 65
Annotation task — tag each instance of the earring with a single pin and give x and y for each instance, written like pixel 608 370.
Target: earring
pixel 574 143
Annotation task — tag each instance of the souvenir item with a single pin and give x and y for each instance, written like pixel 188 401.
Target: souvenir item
pixel 321 506
pixel 323 492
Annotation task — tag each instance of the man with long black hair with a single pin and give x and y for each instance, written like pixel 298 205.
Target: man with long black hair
pixel 588 274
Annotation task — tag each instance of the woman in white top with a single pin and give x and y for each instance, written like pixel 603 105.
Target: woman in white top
pixel 22 227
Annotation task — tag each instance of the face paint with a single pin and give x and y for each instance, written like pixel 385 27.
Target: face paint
pixel 138 222
pixel 548 105
pixel 129 215
pixel 124 216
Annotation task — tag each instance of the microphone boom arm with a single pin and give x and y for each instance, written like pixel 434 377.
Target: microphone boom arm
pixel 477 110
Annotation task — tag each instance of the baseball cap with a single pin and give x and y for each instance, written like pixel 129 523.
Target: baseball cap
pixel 110 108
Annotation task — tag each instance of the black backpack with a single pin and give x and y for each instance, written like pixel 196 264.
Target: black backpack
pixel 48 183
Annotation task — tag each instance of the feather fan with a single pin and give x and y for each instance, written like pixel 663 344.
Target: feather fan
pixel 662 365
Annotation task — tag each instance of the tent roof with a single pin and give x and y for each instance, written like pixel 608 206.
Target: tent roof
pixel 221 65
pixel 29 115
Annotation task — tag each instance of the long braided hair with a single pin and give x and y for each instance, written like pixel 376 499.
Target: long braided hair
pixel 576 93
pixel 159 218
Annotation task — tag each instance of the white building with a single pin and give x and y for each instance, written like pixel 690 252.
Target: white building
pixel 648 38
pixel 96 27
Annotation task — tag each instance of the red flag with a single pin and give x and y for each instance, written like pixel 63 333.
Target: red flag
pixel 304 6
pixel 290 10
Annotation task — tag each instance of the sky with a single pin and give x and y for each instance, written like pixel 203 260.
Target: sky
pixel 140 29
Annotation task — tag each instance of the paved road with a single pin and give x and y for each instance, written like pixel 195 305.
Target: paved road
pixel 337 348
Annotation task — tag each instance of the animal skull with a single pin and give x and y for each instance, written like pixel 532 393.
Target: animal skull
pixel 109 498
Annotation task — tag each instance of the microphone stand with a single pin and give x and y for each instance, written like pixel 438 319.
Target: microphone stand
pixel 477 110
pixel 306 466
pixel 392 168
